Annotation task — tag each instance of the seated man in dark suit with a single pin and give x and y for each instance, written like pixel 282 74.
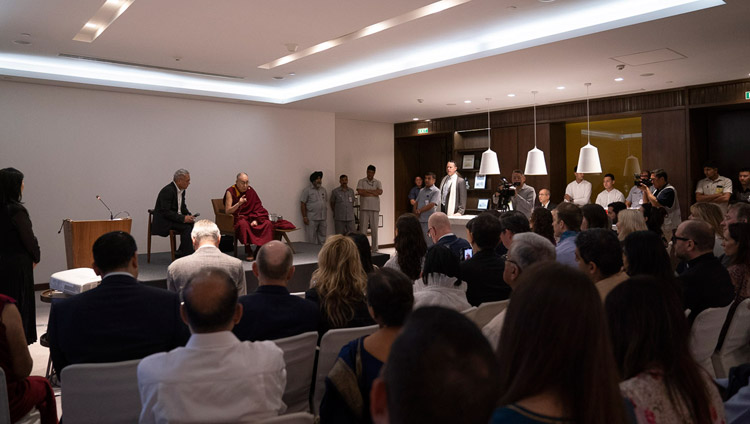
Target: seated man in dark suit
pixel 483 273
pixel 171 212
pixel 271 312
pixel 543 200
pixel 705 282
pixel 121 319
pixel 439 229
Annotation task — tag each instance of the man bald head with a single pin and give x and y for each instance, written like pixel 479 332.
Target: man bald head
pixel 210 302
pixel 273 264
pixel 440 225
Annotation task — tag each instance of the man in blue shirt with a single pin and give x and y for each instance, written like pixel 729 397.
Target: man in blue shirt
pixel 566 221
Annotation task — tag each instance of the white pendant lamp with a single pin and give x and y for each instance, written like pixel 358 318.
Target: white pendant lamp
pixel 632 166
pixel 588 158
pixel 489 164
pixel 535 163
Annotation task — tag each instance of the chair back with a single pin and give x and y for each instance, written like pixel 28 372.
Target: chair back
pixel 704 335
pixel 299 356
pixel 4 407
pixel 301 295
pixel 295 418
pixel 224 221
pixel 101 393
pixel 488 310
pixel 736 347
pixel 330 345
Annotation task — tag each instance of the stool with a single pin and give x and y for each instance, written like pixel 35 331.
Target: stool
pixel 172 238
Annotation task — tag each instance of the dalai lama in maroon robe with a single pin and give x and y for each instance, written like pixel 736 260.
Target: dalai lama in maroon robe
pixel 251 223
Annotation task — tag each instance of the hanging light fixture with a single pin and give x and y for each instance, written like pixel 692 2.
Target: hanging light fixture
pixel 535 163
pixel 489 164
pixel 588 158
pixel 632 166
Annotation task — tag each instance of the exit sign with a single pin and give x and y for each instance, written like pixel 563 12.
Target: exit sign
pixel 747 95
pixel 427 130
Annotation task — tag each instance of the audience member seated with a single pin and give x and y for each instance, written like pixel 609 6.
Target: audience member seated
pixel 737 246
pixel 643 253
pixel 736 212
pixel 654 217
pixel 527 249
pixel 629 221
pixel 439 227
pixel 711 214
pixel 348 385
pixel 206 237
pixel 25 394
pixel 613 209
pixel 441 284
pixel 599 256
pixel 512 223
pixel 215 378
pixel 483 273
pixel 650 342
pixel 338 286
pixel 441 370
pixel 271 312
pixel 566 221
pixel 410 251
pixel 556 362
pixel 594 216
pixel 365 253
pixel 541 223
pixel 119 320
pixel 705 283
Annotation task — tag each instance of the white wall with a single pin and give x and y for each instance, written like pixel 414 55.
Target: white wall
pixel 359 144
pixel 74 143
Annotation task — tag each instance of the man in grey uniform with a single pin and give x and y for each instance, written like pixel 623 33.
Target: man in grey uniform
pixel 342 203
pixel 369 190
pixel 427 201
pixel 314 209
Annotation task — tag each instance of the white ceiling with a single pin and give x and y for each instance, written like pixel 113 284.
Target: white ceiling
pixel 234 37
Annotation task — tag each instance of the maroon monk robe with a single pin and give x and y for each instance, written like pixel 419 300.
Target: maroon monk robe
pixel 250 211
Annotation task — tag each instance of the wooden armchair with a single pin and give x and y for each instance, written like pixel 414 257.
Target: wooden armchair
pixel 224 221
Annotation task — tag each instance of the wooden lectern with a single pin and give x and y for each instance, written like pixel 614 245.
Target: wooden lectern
pixel 81 235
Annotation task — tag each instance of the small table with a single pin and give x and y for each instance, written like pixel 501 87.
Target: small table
pixel 278 234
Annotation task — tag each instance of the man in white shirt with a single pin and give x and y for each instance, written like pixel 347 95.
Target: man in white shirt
pixel 578 191
pixel 610 194
pixel 714 188
pixel 215 377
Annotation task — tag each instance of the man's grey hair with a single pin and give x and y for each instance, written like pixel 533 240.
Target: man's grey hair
pixel 180 173
pixel 239 175
pixel 530 248
pixel 205 229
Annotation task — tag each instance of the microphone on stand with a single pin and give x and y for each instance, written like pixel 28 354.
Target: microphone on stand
pixel 111 216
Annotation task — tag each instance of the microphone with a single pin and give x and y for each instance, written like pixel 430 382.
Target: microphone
pixel 111 216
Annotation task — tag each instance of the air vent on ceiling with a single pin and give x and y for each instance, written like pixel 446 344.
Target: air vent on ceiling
pixel 650 57
pixel 140 65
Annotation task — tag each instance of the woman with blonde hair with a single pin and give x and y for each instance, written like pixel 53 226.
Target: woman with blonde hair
pixel 711 215
pixel 630 221
pixel 338 286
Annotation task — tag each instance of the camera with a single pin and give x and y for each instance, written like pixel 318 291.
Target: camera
pixel 644 181
pixel 505 192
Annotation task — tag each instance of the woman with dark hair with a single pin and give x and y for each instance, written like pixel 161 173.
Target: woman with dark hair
pixel 541 223
pixel 554 353
pixel 650 337
pixel 737 246
pixel 19 250
pixel 654 218
pixel 363 246
pixel 643 253
pixel 410 246
pixel 347 396
pixel 440 284
pixel 594 216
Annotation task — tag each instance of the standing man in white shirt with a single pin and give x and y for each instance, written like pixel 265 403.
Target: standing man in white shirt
pixel 452 191
pixel 578 191
pixel 714 188
pixel 215 377
pixel 369 190
pixel 427 202
pixel 610 194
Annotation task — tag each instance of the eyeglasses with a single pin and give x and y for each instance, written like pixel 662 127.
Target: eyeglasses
pixel 675 238
pixel 513 262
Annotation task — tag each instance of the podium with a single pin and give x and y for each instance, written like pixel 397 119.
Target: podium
pixel 81 235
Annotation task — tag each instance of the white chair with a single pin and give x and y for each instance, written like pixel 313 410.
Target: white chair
pixel 488 310
pixel 705 335
pixel 736 347
pixel 299 356
pixel 298 294
pixel 101 393
pixel 295 418
pixel 470 313
pixel 330 345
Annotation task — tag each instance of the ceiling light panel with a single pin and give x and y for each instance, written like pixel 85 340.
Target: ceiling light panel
pixel 103 18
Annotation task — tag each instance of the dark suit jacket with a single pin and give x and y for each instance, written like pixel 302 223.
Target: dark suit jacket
pixel 165 211
pixel 455 244
pixel 120 320
pixel 705 284
pixel 272 313
pixel 551 205
pixel 483 274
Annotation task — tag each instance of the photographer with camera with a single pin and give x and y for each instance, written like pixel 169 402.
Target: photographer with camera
pixel 665 197
pixel 522 196
pixel 635 197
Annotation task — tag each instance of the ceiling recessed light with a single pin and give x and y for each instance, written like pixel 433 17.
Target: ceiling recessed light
pixel 428 120
pixel 648 74
pixel 25 34
pixel 561 87
pixel 415 119
pixel 546 1
pixel 22 42
pixel 291 74
pixel 511 95
pixel 278 78
pixel 467 101
pixel 450 104
pixel 619 79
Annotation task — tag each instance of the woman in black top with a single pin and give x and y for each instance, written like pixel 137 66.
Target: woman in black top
pixel 19 250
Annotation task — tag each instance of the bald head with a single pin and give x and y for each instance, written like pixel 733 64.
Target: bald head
pixel 441 224
pixel 210 302
pixel 273 265
pixel 700 233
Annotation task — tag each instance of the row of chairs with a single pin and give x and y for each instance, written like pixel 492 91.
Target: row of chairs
pixel 734 349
